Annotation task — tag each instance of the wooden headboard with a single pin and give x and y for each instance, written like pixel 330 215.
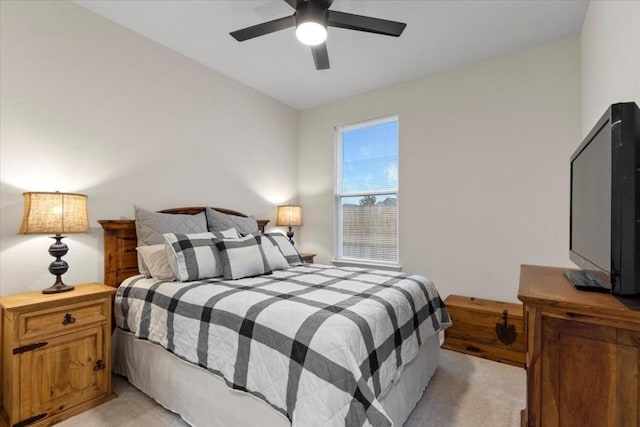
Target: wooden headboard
pixel 120 241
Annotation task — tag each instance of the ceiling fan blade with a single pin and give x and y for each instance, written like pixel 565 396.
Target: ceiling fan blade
pixel 264 28
pixel 292 3
pixel 365 23
pixel 324 3
pixel 320 56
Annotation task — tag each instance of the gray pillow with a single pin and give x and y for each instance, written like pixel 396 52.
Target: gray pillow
pixel 217 221
pixel 150 226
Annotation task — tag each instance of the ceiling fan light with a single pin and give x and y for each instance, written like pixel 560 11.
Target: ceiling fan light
pixel 311 33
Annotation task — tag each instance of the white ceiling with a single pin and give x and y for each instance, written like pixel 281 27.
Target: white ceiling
pixel 440 35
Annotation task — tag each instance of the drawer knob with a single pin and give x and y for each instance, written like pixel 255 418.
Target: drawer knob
pixel 99 365
pixel 68 319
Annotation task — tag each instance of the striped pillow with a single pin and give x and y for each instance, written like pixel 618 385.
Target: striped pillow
pixel 242 257
pixel 288 250
pixel 195 256
pixel 274 256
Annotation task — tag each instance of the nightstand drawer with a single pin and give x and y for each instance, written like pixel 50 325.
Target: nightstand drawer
pixel 62 319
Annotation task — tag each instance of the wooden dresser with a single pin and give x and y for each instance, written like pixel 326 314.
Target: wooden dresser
pixel 583 353
pixel 55 358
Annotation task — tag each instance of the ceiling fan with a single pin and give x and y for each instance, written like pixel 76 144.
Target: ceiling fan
pixel 311 19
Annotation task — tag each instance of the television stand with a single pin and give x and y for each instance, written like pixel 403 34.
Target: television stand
pixel 583 282
pixel 583 353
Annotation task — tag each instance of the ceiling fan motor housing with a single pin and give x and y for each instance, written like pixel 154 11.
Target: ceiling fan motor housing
pixel 312 12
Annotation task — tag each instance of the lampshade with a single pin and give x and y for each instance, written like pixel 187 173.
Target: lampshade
pixel 54 213
pixel 289 215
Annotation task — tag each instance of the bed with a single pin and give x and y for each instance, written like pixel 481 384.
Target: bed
pixel 274 350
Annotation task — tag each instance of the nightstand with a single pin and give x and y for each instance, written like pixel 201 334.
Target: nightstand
pixel 55 354
pixel 306 257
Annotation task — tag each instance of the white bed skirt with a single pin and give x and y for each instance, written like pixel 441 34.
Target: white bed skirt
pixel 203 399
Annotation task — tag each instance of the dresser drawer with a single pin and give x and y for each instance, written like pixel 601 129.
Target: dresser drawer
pixel 61 319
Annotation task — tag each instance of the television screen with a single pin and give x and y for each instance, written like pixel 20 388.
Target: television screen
pixel 591 201
pixel 605 204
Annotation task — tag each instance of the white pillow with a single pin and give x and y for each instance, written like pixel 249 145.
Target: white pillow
pixel 195 256
pixel 274 256
pixel 156 261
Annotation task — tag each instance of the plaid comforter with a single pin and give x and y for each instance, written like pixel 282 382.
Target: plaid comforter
pixel 318 343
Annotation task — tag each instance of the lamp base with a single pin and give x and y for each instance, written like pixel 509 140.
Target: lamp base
pixel 290 236
pixel 58 267
pixel 57 288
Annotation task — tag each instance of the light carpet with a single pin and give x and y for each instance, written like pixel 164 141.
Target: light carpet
pixel 465 391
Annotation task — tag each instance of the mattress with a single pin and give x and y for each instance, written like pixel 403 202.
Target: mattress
pixel 203 399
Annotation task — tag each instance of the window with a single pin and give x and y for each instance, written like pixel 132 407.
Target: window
pixel 367 192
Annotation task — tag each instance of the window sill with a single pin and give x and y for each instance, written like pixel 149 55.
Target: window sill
pixel 366 264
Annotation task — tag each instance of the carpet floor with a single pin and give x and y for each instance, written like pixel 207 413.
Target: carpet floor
pixel 465 391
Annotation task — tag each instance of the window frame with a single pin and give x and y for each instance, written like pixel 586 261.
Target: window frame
pixel 338 194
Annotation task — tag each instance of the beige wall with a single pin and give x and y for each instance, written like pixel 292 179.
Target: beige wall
pixel 88 106
pixel 610 47
pixel 484 153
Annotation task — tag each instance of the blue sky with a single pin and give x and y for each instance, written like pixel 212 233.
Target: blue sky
pixel 370 158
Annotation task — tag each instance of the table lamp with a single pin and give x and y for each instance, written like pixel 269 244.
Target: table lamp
pixel 55 213
pixel 288 216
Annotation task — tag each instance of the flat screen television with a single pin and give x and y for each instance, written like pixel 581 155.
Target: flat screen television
pixel 605 204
